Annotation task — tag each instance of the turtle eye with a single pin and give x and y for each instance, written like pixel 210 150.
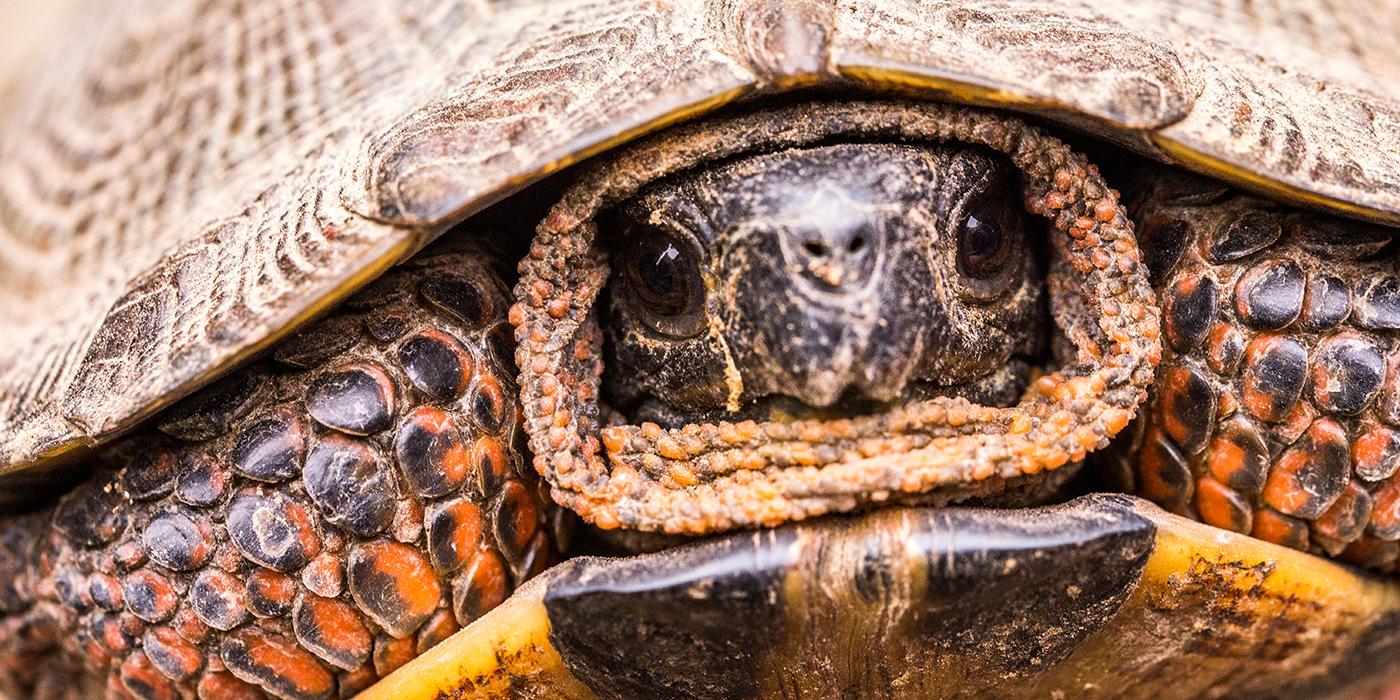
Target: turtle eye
pixel 989 234
pixel 982 247
pixel 661 273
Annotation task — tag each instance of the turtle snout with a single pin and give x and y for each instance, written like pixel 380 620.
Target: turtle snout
pixel 816 315
pixel 832 257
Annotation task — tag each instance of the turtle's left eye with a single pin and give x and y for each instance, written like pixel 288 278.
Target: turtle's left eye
pixel 661 274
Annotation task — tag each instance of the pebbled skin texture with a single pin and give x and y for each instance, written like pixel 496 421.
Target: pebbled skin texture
pixel 1276 411
pixel 302 528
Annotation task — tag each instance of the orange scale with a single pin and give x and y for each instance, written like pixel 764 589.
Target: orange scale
pixel 171 654
pixel 189 626
pixel 439 627
pixel 108 630
pixel 150 596
pixel 454 533
pixel 269 593
pixel 1163 476
pixel 351 683
pixel 1385 511
pixel 1273 526
pixel 276 664
pixel 331 630
pixel 222 685
pixel 1220 506
pixel 323 576
pixel 1375 452
pixel 488 404
pixel 1346 519
pixel 1296 422
pixel 142 679
pixel 394 584
pixel 430 451
pixel 391 653
pixel 1312 474
pixel 1238 456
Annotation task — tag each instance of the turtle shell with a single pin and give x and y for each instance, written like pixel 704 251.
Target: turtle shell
pixel 181 184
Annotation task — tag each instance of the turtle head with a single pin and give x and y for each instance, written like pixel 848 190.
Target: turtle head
pixel 818 308
pixel 822 280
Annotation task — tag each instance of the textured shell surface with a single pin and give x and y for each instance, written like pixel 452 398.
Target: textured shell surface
pixel 182 183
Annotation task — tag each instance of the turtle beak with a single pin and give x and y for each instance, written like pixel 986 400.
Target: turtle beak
pixel 827 303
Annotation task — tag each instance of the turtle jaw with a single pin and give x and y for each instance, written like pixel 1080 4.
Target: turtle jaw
pixel 1001 387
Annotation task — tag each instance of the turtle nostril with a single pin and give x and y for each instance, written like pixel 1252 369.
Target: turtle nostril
pixel 816 249
pixel 856 245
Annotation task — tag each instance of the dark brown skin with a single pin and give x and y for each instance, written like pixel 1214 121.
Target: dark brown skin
pixel 843 277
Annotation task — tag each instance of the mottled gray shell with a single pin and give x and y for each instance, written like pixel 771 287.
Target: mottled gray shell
pixel 181 183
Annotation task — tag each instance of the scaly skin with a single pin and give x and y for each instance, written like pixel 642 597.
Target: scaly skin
pixel 303 528
pixel 1276 411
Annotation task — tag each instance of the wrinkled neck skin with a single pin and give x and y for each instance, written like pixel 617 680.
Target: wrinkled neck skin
pixel 832 286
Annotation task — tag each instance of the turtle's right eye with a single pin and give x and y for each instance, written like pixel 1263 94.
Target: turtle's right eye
pixel 661 275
